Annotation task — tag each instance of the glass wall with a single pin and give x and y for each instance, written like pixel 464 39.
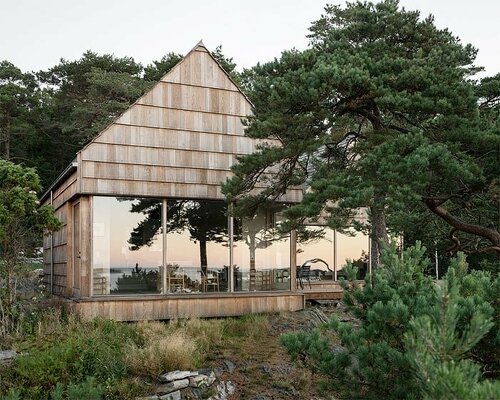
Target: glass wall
pixel 353 248
pixel 317 252
pixel 127 245
pixel 328 251
pixel 197 246
pixel 261 255
pixel 131 255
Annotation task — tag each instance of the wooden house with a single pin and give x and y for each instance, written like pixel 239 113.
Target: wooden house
pixel 145 230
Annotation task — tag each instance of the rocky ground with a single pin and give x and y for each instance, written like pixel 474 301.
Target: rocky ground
pixel 260 369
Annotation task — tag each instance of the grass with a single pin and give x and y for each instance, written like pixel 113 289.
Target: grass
pixel 64 355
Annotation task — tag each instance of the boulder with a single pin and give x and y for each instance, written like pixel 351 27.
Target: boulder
pixel 172 386
pixel 198 380
pixel 176 375
pixel 171 396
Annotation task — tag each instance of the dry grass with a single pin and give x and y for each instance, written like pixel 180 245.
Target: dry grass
pixel 208 334
pixel 163 350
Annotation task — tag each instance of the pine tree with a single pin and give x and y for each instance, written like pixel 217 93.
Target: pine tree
pixel 411 327
pixel 375 78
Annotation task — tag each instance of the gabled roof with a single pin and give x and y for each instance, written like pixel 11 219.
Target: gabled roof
pixel 172 76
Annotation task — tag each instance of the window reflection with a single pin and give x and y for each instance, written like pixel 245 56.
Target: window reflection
pixel 335 248
pixel 317 243
pixel 352 247
pixel 197 246
pixel 261 254
pixel 127 245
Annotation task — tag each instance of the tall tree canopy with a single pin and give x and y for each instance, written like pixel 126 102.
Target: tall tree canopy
pixel 17 99
pixel 379 112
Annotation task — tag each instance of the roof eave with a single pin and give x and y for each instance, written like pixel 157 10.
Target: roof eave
pixel 62 176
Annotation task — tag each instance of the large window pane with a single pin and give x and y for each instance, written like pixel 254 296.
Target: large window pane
pixel 317 252
pixel 197 246
pixel 353 247
pixel 261 254
pixel 335 249
pixel 127 245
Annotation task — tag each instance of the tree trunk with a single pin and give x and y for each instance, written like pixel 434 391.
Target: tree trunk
pixel 379 233
pixel 203 257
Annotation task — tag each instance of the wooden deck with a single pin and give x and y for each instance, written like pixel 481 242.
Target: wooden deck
pixel 160 307
pixel 164 307
pixel 321 290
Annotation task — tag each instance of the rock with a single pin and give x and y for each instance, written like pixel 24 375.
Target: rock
pixel 192 393
pixel 230 387
pixel 229 366
pixel 198 380
pixel 147 398
pixel 176 375
pixel 171 396
pixel 205 371
pixel 7 356
pixel 265 369
pixel 172 386
pixel 218 372
pixel 211 378
pixel 223 390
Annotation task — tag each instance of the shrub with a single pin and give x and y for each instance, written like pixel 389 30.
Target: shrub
pixel 77 351
pixel 87 390
pixel 162 351
pixel 403 313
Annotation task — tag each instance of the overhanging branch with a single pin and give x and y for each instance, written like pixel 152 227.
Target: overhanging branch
pixel 492 235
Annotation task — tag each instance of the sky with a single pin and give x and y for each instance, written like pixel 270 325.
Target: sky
pixel 36 34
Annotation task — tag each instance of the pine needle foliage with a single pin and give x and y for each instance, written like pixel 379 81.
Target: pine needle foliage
pixel 412 337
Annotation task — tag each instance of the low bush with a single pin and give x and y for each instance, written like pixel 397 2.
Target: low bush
pixel 418 338
pixel 79 350
pixel 162 350
pixel 87 390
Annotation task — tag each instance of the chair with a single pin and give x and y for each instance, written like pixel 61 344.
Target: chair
pixel 209 283
pixel 304 272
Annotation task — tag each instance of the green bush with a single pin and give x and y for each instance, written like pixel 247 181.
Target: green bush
pixel 87 390
pixel 93 349
pixel 402 313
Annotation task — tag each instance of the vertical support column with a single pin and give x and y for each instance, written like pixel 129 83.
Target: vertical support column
pixel 86 246
pixel 335 255
pixel 293 260
pixel 164 236
pixel 230 230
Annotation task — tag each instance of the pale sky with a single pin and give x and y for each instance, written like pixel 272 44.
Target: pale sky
pixel 35 34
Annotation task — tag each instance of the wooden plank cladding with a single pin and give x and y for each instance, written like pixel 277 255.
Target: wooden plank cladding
pixel 142 136
pixel 162 307
pixel 164 189
pixel 111 153
pixel 65 192
pixel 55 253
pixel 178 140
pixel 197 98
pixel 200 69
pixel 157 117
